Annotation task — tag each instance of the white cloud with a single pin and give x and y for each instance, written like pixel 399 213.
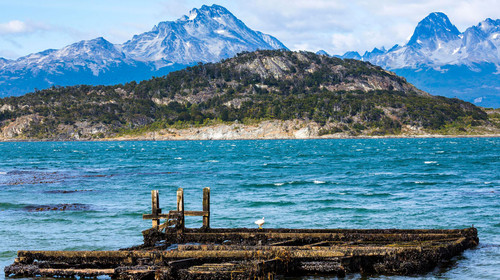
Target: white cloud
pixel 359 25
pixel 14 27
pixel 335 26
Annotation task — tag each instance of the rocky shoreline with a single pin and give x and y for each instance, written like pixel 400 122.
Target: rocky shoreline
pixel 266 130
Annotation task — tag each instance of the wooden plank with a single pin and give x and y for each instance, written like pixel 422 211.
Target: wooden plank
pixel 187 213
pixel 184 263
pixel 152 216
pixel 206 207
pixel 283 243
pixel 195 213
pixel 322 243
pixel 85 272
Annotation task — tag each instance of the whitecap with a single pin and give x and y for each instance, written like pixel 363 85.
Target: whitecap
pixel 440 152
pixel 430 162
pixel 318 182
pixel 178 158
pixel 279 184
pixel 212 160
pixel 3 173
pixel 419 182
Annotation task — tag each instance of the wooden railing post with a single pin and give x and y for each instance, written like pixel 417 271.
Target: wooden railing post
pixel 180 207
pixel 206 207
pixel 155 207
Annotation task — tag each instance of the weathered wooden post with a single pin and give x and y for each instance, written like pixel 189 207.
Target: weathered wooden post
pixel 206 207
pixel 180 207
pixel 155 206
pixel 156 214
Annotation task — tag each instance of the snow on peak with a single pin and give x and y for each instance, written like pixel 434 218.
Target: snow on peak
pixel 437 42
pixel 193 14
pixel 433 28
pixel 213 33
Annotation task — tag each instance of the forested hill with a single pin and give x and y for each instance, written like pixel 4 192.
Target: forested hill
pixel 339 95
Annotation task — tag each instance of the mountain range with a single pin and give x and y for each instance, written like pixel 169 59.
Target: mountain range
pixel 438 58
pixel 300 92
pixel 208 34
pixel 441 60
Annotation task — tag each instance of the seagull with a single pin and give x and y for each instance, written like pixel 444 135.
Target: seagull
pixel 260 222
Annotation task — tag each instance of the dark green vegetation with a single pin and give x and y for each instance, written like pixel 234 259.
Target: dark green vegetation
pixel 340 95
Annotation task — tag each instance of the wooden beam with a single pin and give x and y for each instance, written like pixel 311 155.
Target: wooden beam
pixel 206 207
pixel 152 216
pixel 155 206
pixel 187 213
pixel 180 207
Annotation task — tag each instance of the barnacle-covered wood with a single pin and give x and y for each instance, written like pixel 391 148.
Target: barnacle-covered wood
pixel 255 254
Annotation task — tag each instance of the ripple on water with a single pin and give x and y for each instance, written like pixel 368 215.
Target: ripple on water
pixel 315 183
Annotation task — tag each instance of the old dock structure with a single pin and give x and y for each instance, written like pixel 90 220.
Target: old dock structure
pixel 172 251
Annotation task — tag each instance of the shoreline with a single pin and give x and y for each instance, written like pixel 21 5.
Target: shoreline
pixel 265 130
pixel 327 137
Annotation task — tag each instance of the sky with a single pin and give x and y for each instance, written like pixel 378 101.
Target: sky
pixel 336 26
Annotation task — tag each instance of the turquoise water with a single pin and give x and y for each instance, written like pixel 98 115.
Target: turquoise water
pixel 365 183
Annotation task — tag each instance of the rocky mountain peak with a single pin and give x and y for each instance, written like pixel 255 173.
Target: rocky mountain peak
pixel 208 34
pixel 432 30
pixel 443 61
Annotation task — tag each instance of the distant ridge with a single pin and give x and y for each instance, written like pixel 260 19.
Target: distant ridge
pixel 302 94
pixel 443 61
pixel 208 34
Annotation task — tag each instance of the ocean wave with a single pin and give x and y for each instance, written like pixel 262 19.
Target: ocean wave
pixel 264 185
pixel 375 194
pixel 279 184
pixel 354 209
pixel 424 183
pixel 10 206
pixel 319 182
pixel 325 201
pixel 268 203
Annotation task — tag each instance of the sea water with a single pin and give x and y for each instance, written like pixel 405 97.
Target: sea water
pixel 349 183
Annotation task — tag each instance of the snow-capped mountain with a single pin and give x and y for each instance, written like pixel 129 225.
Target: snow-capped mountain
pixel 98 55
pixel 3 61
pixel 204 35
pixel 441 60
pixel 437 42
pixel 208 34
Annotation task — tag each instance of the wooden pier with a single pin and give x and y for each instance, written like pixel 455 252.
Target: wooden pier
pixel 171 251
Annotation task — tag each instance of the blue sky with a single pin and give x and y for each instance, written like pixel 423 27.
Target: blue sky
pixel 28 26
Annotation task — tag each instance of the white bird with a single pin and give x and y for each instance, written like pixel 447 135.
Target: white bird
pixel 260 222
